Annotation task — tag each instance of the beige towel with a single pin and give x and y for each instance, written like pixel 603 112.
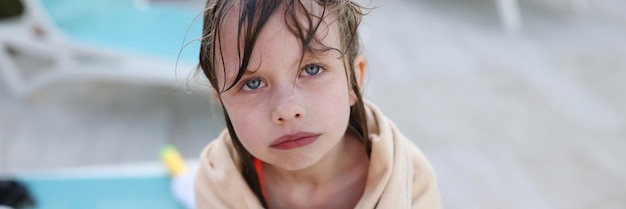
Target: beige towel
pixel 399 175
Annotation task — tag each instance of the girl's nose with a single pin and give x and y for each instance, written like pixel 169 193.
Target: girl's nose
pixel 287 110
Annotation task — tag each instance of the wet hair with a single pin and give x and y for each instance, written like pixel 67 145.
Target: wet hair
pixel 304 25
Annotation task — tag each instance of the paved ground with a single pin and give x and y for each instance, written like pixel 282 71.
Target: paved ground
pixel 536 120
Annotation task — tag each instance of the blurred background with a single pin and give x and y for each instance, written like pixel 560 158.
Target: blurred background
pixel 517 104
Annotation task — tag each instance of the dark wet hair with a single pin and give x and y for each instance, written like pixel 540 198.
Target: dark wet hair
pixel 303 24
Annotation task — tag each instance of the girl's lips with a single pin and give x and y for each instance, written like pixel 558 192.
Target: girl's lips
pixel 293 141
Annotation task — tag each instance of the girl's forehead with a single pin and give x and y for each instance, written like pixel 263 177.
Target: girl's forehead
pixel 306 15
pixel 275 37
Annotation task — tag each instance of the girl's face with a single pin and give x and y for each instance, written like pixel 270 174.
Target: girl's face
pixel 286 112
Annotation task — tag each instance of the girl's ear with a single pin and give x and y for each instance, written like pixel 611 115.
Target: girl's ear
pixel 360 66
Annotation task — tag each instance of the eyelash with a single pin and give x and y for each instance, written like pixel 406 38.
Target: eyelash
pixel 321 70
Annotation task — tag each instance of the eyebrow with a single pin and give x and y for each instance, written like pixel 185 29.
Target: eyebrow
pixel 249 71
pixel 322 55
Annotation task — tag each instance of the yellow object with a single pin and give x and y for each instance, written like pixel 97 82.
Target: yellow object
pixel 172 160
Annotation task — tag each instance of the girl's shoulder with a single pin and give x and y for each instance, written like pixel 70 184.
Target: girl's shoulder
pixel 409 169
pixel 219 183
pixel 220 153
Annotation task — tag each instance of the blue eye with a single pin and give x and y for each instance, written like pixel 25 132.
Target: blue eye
pixel 254 83
pixel 312 69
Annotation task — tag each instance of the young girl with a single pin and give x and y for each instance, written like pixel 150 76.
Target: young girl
pixel 288 75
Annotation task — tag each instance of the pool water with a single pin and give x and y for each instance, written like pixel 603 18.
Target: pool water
pixel 159 30
pixel 102 192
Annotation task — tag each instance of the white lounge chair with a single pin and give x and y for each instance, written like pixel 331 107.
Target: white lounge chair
pixel 120 40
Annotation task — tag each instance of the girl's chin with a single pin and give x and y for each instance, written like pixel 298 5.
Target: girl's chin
pixel 296 165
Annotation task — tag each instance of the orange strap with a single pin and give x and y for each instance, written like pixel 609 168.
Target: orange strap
pixel 259 172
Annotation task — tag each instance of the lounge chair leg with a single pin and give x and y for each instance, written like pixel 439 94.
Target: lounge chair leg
pixel 510 15
pixel 10 71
